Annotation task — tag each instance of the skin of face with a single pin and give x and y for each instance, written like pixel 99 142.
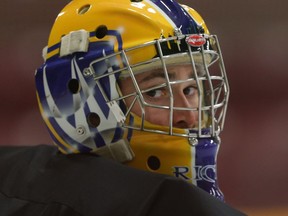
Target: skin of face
pixel 185 95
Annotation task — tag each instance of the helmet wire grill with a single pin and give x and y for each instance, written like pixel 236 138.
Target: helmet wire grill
pixel 218 94
pixel 169 88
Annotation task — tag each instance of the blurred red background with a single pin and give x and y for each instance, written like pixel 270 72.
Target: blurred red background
pixel 252 162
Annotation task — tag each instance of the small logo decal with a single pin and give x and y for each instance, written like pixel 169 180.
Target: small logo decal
pixel 196 40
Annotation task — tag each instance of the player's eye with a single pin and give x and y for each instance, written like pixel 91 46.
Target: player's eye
pixel 156 93
pixel 190 90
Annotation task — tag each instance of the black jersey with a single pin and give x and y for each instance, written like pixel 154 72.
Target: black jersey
pixel 40 181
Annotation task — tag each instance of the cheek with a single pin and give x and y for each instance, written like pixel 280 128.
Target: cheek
pixel 152 115
pixel 157 116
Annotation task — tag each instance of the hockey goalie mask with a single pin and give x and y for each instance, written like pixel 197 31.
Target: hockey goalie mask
pixel 142 82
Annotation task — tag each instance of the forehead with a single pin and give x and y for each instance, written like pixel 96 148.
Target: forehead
pixel 174 72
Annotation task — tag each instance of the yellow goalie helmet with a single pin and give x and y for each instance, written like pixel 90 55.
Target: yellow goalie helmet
pixel 142 82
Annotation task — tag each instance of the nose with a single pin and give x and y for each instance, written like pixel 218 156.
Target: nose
pixel 184 118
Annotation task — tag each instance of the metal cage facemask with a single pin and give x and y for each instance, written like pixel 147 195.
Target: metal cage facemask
pixel 208 76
